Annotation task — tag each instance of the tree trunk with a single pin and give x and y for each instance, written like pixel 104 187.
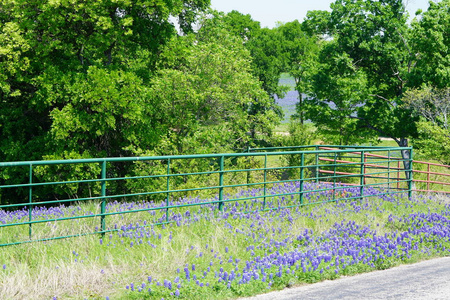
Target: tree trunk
pixel 300 98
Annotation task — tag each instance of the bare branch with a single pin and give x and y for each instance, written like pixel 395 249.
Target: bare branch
pixel 407 48
pixel 382 98
pixel 433 105
pixel 397 74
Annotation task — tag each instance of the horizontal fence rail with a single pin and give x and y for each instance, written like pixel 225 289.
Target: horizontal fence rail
pixel 46 200
pixel 431 177
pixel 428 177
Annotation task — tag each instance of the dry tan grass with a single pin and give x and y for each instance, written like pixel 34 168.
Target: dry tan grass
pixel 43 271
pixel 69 280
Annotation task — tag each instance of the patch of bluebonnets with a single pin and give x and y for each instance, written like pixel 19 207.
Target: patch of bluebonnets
pixel 277 251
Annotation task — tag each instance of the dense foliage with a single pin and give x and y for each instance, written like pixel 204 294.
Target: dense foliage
pixel 118 78
pixel 75 76
pixel 370 57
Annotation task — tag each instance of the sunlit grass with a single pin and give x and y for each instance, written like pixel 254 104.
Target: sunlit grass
pixel 282 128
pixel 211 254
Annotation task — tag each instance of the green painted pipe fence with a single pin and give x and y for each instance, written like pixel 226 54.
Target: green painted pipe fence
pixel 48 201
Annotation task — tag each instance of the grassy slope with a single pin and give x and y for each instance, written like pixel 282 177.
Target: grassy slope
pixel 264 251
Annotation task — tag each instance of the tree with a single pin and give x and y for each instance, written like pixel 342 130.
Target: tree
pixel 430 103
pixel 430 39
pixel 372 37
pixel 338 90
pixel 265 46
pixel 74 76
pixel 242 25
pixel 299 51
pixel 266 59
pixel 65 64
pixel 433 105
pixel 212 86
pixel 317 23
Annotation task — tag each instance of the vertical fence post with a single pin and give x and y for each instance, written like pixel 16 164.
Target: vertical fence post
pixel 302 163
pixel 389 169
pixel 30 201
pixel 362 171
pixel 317 163
pixel 265 180
pixel 365 161
pixel 221 183
pixel 428 178
pixel 398 174
pixel 410 181
pixel 334 176
pixel 248 159
pixel 103 205
pixel 168 189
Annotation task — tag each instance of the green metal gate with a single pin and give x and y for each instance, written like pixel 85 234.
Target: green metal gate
pixel 166 187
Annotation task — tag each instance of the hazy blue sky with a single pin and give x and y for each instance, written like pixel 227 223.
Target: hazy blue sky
pixel 268 12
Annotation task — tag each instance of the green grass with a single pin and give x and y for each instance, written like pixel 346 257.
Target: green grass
pixel 387 143
pixel 84 267
pixel 282 128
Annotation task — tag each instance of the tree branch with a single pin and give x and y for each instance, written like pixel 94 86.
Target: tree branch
pixel 407 48
pixel 397 74
pixel 381 132
pixel 382 98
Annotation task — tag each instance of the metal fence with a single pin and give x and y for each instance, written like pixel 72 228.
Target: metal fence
pixel 431 177
pixel 66 198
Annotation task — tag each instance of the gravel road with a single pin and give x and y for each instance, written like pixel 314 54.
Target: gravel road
pixel 425 280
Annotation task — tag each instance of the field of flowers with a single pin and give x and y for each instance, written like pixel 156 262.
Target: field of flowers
pixel 287 103
pixel 240 251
